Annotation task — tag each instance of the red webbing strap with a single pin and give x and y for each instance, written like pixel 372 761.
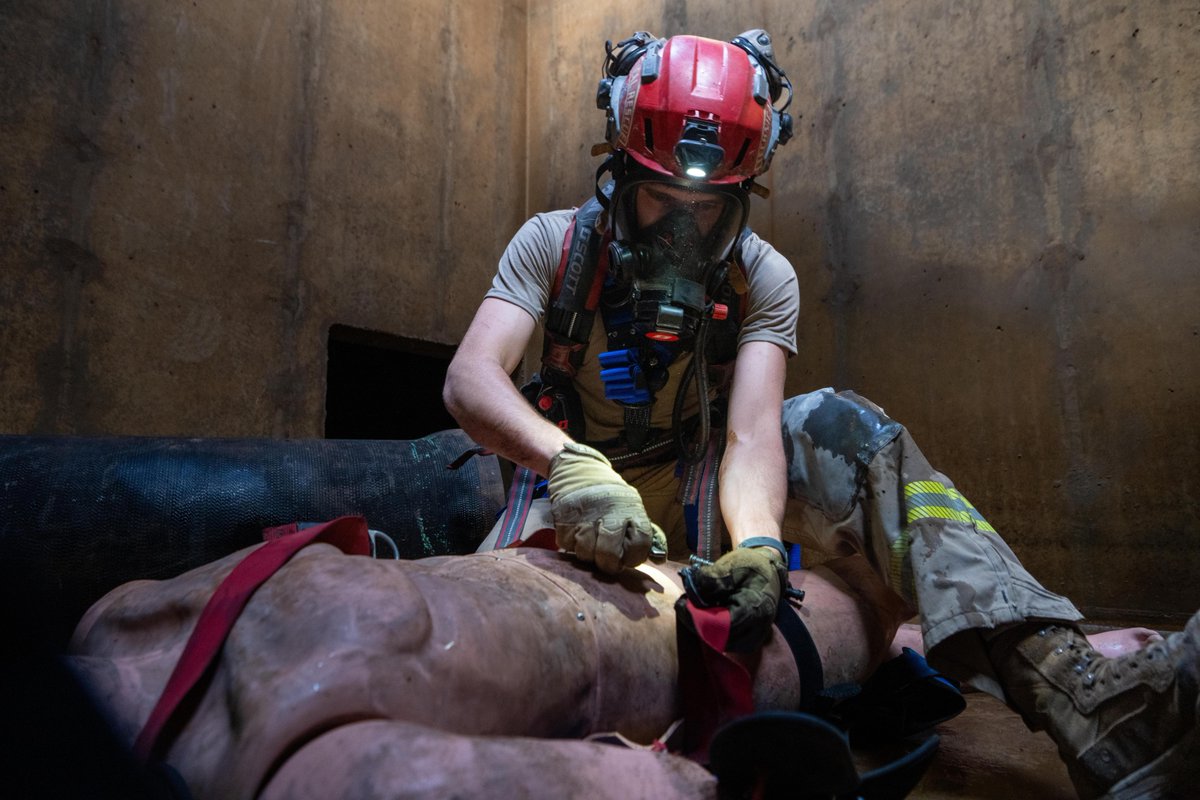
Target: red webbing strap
pixel 542 538
pixel 349 534
pixel 713 687
pixel 562 259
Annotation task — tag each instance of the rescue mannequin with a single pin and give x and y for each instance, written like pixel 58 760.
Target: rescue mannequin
pixel 339 660
pixel 345 676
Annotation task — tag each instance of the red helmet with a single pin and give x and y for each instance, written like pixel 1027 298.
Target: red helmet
pixel 695 108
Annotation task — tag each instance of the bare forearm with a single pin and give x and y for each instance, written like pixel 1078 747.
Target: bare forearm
pixel 480 395
pixel 754 470
pixel 489 408
pixel 753 486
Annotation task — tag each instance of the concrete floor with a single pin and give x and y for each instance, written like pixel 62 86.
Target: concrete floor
pixel 987 752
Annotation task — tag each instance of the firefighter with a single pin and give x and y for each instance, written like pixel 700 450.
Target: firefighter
pixel 658 411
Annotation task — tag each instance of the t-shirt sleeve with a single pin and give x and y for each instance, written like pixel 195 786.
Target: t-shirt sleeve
pixel 526 270
pixel 774 308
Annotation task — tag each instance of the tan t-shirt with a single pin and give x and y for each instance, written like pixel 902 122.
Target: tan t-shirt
pixel 526 274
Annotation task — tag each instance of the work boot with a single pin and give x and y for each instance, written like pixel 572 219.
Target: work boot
pixel 1125 727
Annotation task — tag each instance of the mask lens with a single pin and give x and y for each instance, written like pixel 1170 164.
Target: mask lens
pixel 687 229
pixel 675 244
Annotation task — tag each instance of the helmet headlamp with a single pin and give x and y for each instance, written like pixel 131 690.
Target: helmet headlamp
pixel 697 150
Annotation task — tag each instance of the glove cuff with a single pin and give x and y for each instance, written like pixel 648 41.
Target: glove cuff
pixel 577 449
pixel 766 541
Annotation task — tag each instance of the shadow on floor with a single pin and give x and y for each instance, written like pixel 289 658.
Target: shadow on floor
pixel 987 752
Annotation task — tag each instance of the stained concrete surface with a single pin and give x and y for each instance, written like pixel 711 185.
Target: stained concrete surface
pixel 193 194
pixel 987 753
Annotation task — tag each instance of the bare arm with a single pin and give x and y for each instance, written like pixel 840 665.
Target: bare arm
pixel 753 479
pixel 481 396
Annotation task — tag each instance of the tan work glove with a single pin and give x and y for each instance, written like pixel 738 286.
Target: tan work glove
pixel 597 515
pixel 749 581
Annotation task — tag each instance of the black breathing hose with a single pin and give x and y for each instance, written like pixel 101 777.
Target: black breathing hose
pixel 696 369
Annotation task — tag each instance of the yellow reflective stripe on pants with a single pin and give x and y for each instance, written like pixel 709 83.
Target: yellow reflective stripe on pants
pixel 932 500
pixel 928 500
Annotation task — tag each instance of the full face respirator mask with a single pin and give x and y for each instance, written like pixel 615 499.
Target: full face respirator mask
pixel 662 269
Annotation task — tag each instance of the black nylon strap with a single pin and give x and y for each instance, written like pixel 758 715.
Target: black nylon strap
pixel 766 541
pixel 804 650
pixel 637 425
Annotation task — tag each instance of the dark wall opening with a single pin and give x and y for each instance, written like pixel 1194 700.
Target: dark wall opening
pixel 384 387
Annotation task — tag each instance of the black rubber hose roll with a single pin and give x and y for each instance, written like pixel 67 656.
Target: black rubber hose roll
pixel 81 515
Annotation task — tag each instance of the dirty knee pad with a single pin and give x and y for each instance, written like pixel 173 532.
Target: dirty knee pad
pixel 829 439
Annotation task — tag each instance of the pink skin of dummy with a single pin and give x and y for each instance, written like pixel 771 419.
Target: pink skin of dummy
pixel 350 677
pixel 1110 644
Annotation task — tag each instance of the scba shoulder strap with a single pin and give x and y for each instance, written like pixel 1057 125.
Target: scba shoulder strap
pixel 574 297
pixel 575 294
pixel 574 300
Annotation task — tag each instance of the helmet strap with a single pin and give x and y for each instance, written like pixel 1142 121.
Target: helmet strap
pixel 604 189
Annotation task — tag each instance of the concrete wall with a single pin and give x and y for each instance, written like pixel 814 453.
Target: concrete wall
pixel 194 192
pixel 993 210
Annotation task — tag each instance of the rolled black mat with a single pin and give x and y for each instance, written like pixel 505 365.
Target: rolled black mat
pixel 81 515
